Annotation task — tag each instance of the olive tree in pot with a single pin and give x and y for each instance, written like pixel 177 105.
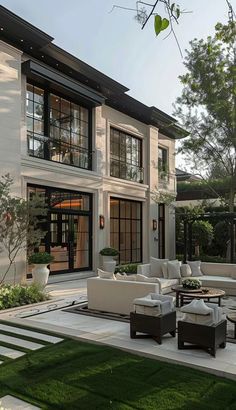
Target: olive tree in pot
pixel 107 256
pixel 40 271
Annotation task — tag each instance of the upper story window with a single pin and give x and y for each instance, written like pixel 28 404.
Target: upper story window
pixel 163 167
pixel 125 156
pixel 57 129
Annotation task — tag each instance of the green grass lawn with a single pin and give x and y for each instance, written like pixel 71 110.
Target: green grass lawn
pixel 73 375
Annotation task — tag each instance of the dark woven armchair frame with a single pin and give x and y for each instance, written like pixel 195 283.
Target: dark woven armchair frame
pixel 201 336
pixel 153 326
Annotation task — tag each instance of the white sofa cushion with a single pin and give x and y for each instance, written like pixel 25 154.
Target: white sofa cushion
pixel 106 275
pixel 156 267
pixel 167 283
pixel 195 268
pixel 185 270
pixel 173 269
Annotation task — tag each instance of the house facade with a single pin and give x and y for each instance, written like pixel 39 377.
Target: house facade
pixel 73 134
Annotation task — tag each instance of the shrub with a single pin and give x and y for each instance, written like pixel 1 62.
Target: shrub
pixel 130 268
pixel 18 295
pixel 40 257
pixel 109 252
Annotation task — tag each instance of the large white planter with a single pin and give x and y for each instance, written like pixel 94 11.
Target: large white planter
pixel 109 266
pixel 40 274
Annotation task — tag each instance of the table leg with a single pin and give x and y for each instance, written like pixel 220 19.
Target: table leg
pixel 177 299
pixel 219 301
pixel 181 300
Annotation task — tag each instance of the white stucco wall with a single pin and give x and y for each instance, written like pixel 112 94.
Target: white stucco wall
pixel 26 169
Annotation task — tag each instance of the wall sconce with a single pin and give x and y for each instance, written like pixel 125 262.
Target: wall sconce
pixel 154 224
pixel 101 221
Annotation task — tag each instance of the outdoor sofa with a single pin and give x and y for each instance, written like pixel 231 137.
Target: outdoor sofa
pixel 215 275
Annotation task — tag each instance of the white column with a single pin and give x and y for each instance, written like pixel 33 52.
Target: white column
pixel 10 131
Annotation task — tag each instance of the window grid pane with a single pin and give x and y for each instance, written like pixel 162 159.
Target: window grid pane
pixel 66 138
pixel 126 229
pixel 126 159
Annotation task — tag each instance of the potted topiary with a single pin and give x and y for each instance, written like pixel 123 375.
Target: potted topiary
pixel 40 271
pixel 107 256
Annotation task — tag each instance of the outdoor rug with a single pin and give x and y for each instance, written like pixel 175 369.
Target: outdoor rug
pixel 82 309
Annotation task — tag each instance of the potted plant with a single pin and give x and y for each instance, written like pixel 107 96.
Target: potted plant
pixel 40 271
pixel 191 284
pixel 108 262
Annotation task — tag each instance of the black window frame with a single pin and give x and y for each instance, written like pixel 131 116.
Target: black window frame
pixel 123 164
pixel 119 218
pixel 47 139
pixel 163 162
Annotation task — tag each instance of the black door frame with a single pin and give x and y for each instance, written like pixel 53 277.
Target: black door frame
pixel 89 213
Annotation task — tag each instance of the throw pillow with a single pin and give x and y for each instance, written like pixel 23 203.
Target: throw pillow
pixel 120 276
pixel 143 278
pixel 185 270
pixel 173 269
pixel 195 268
pixel 165 270
pixel 130 277
pixel 156 267
pixel 198 307
pixel 105 275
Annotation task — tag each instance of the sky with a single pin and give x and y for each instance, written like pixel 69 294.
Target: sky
pixel 114 43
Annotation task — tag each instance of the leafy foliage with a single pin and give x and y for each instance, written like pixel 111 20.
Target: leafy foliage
pixel 20 221
pixel 207 106
pixel 40 257
pixel 17 295
pixel 109 252
pixel 202 233
pixel 129 268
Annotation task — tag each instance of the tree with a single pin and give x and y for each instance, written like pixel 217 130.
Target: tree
pixel 20 222
pixel 207 106
pixel 145 11
pixel 202 235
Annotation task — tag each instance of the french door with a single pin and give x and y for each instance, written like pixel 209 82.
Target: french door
pixel 68 227
pixel 69 242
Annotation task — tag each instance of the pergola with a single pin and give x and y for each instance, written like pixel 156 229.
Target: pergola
pixel 188 221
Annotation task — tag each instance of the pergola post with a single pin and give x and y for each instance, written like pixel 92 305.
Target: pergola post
pixel 232 241
pixel 190 241
pixel 185 240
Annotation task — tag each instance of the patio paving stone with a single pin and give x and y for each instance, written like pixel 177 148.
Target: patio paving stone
pixel 11 353
pixel 20 342
pixel 12 403
pixel 19 331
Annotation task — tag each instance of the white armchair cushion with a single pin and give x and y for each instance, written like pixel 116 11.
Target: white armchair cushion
pixel 185 270
pixel 106 275
pixel 154 304
pixel 156 267
pixel 195 268
pixel 144 269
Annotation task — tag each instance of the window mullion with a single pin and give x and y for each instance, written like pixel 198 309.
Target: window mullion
pixel 46 124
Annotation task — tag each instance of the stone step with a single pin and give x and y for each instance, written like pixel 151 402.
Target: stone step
pixel 12 403
pixel 19 331
pixel 20 342
pixel 11 353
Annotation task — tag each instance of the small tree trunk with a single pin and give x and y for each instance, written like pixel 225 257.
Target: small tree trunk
pixel 197 250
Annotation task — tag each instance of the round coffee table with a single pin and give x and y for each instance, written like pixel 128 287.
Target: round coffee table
pixel 232 318
pixel 183 294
